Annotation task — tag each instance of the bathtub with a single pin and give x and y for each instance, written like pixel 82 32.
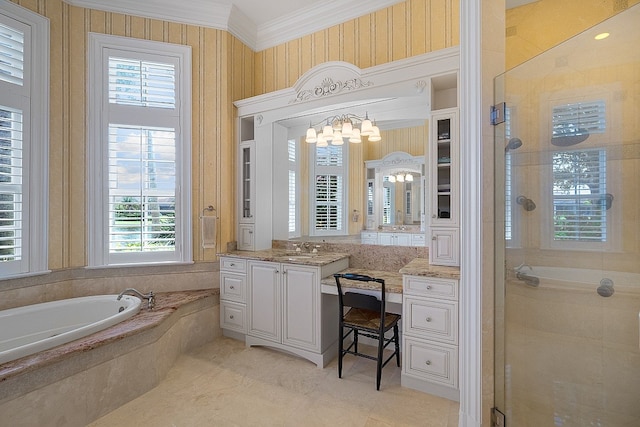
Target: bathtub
pixel 33 328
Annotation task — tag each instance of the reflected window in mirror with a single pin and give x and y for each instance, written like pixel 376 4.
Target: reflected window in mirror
pixel 294 190
pixel 328 190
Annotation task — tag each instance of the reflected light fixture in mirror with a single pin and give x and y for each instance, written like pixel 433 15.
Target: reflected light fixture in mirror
pixel 336 128
pixel 401 177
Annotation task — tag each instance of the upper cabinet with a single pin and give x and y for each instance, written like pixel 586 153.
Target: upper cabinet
pixel 444 186
pixel 254 224
pixel 444 167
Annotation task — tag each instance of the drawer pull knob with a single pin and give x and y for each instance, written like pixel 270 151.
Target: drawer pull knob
pixel 232 264
pixel 231 317
pixel 428 362
pixel 433 238
pixel 428 319
pixel 231 287
pixel 428 287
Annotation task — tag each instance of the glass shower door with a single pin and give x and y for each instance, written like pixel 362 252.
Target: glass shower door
pixel 568 232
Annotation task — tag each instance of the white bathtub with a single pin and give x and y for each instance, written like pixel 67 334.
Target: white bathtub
pixel 33 328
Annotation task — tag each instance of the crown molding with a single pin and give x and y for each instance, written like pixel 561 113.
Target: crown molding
pixel 315 18
pixel 196 12
pixel 228 17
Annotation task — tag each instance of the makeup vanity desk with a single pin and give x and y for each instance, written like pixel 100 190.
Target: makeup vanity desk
pixel 427 297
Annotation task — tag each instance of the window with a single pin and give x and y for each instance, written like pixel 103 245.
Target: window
pixel 294 228
pixel 328 188
pixel 139 153
pixel 24 119
pixel 580 198
pixel 388 195
pixel 579 119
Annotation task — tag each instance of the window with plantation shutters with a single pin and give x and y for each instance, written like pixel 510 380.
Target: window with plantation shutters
pixel 329 190
pixel 141 83
pixel 11 55
pixel 580 198
pixel 293 188
pixel 24 118
pixel 139 111
pixel 11 184
pixel 578 119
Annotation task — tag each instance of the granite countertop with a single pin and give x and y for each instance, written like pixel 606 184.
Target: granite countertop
pixel 392 280
pixel 421 267
pixel 290 257
pixel 397 230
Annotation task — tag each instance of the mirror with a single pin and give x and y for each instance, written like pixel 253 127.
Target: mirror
pixel 397 196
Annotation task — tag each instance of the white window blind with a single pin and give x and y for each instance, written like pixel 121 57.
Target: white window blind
pixel 329 190
pixel 386 203
pixel 329 202
pixel 11 55
pixel 581 118
pixel 141 83
pixel 11 189
pixel 580 198
pixel 291 151
pixel 142 183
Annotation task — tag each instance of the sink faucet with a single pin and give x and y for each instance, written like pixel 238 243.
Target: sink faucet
pixel 150 297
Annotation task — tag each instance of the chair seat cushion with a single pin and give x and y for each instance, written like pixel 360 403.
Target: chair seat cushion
pixel 369 319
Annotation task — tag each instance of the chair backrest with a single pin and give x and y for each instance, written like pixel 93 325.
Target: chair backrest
pixel 353 298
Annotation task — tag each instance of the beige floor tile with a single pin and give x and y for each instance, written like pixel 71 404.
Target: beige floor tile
pixel 226 384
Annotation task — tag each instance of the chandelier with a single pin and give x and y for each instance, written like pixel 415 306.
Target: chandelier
pixel 337 128
pixel 401 177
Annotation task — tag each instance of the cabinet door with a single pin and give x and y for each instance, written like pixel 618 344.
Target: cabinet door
pixel 264 295
pixel 444 248
pixel 444 147
pixel 247 182
pixel 246 241
pixel 403 239
pixel 300 306
pixel 385 239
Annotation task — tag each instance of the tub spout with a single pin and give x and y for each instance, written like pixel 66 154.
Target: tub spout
pixel 150 297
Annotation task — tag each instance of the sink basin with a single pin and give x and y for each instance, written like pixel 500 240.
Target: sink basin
pixel 299 257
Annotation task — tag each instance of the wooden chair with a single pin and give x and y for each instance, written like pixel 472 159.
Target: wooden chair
pixel 362 313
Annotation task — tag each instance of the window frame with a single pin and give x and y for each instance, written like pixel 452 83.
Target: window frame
pixel 100 48
pixel 32 98
pixel 343 172
pixel 597 141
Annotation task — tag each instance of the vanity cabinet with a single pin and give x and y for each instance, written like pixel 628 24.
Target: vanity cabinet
pixel 394 239
pixel 430 335
pixel 233 295
pixel 286 309
pixel 369 238
pixel 444 175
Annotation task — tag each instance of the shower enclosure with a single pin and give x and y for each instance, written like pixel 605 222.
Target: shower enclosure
pixel 567 255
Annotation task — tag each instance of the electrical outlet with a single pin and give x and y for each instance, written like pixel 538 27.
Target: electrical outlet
pixel 498 418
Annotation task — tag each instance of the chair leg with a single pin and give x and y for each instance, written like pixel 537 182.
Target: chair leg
pixel 379 367
pixel 355 340
pixel 340 350
pixel 397 340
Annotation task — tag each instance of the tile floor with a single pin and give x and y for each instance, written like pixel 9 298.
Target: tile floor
pixel 223 383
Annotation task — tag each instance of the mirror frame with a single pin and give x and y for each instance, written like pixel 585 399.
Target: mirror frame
pixel 423 78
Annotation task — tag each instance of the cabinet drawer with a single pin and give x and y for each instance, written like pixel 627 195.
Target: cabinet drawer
pixel 233 316
pixel 233 264
pixel 431 319
pixel 434 362
pixel 430 287
pixel 418 240
pixel 233 287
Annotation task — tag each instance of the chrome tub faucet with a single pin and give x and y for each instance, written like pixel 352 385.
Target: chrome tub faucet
pixel 150 297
